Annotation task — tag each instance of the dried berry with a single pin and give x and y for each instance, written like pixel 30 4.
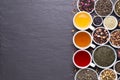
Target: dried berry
pixel 97 21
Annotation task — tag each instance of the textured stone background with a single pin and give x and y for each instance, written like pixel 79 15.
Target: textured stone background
pixel 36 40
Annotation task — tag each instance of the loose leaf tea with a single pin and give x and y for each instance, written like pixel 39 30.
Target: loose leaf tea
pixel 104 56
pixel 117 67
pixel 108 74
pixel 86 74
pixel 117 8
pixel 103 7
pixel 119 23
pixel 115 38
pixel 110 22
pixel 100 35
pixel 86 5
pixel 97 21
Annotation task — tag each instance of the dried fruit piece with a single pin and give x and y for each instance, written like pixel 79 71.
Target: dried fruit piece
pixel 115 38
pixel 100 36
pixel 108 74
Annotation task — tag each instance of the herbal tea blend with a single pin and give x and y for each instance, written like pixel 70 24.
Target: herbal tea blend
pixel 103 7
pixel 100 35
pixel 115 38
pixel 104 56
pixel 86 5
pixel 117 8
pixel 110 22
pixel 108 74
pixel 87 74
pixel 117 67
pixel 119 23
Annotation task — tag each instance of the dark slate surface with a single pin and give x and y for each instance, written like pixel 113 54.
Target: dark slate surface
pixel 36 40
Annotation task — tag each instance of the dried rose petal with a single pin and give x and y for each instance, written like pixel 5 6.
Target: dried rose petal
pixel 86 5
pixel 118 52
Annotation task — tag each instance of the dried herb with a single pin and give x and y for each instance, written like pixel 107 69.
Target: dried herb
pixel 86 74
pixel 115 38
pixel 117 67
pixel 101 36
pixel 117 7
pixel 74 11
pixel 103 7
pixel 104 56
pixel 110 22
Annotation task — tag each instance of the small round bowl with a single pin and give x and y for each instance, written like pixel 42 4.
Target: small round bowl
pixel 102 66
pixel 115 24
pixel 108 14
pixel 86 11
pixel 110 41
pixel 114 67
pixel 108 69
pixel 114 8
pixel 100 23
pixel 75 78
pixel 102 43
